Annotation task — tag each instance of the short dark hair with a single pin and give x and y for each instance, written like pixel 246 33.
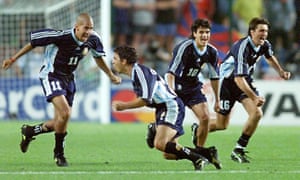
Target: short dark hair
pixel 199 23
pixel 127 52
pixel 256 21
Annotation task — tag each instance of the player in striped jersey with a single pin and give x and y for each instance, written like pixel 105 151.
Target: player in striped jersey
pixel 152 91
pixel 183 76
pixel 237 83
pixel 65 49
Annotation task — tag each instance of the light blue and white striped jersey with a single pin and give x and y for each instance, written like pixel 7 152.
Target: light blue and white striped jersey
pixel 151 87
pixel 242 58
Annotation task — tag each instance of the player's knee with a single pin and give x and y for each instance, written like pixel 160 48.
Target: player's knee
pixel 204 118
pixel 65 114
pixel 257 114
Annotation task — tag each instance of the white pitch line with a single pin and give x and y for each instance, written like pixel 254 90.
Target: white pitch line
pixel 144 172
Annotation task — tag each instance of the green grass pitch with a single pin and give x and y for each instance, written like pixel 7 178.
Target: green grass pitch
pixel 118 151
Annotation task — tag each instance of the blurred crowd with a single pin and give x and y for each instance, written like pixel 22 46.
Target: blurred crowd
pixel 153 27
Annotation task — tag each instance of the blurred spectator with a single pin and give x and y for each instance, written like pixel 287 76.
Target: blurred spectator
pixel 6 2
pixel 143 22
pixel 205 8
pixel 245 10
pixel 223 14
pixel 188 13
pixel 157 58
pixel 165 23
pixel 297 26
pixel 191 10
pixel 222 37
pixel 121 21
pixel 282 17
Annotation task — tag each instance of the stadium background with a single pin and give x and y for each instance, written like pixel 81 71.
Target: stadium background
pixel 21 95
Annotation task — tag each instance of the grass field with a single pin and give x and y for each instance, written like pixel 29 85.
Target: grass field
pixel 119 151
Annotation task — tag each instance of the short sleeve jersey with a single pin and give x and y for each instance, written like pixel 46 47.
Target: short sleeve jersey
pixel 188 61
pixel 65 49
pixel 149 86
pixel 242 58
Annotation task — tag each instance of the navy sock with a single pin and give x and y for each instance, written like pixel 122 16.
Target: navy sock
pixel 181 152
pixel 59 143
pixel 243 140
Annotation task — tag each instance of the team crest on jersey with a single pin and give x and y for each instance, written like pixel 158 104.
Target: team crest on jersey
pixel 85 51
pixel 152 71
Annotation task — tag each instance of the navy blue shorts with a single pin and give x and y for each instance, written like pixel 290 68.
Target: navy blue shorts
pixel 171 114
pixel 230 93
pixel 192 97
pixel 56 85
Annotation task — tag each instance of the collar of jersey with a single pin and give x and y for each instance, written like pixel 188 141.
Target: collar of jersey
pixel 75 39
pixel 200 53
pixel 132 72
pixel 256 49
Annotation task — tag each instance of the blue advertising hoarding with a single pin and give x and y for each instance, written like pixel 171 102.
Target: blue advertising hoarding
pixel 23 99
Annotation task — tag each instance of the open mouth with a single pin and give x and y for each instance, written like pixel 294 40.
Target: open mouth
pixel 261 40
pixel 85 36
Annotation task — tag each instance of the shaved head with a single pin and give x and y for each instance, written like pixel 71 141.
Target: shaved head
pixel 84 26
pixel 84 18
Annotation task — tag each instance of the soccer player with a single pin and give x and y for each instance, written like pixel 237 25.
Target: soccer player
pixel 152 91
pixel 189 56
pixel 237 83
pixel 65 48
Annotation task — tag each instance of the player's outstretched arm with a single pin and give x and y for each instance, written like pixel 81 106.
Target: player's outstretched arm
pixel 101 64
pixel 8 62
pixel 170 79
pixel 136 103
pixel 275 64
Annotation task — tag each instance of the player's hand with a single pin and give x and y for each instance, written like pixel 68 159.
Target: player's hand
pixel 285 75
pixel 7 63
pixel 217 106
pixel 116 79
pixel 116 106
pixel 259 101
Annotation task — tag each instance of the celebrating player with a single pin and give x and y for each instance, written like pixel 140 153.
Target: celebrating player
pixel 65 48
pixel 153 91
pixel 236 83
pixel 183 77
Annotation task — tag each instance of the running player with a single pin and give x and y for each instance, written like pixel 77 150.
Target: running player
pixel 183 76
pixel 237 83
pixel 153 91
pixel 67 48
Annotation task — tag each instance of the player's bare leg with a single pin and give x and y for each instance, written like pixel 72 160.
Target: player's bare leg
pixel 201 112
pixel 165 142
pixel 60 127
pixel 219 123
pixel 255 114
pixel 201 132
pixel 29 133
